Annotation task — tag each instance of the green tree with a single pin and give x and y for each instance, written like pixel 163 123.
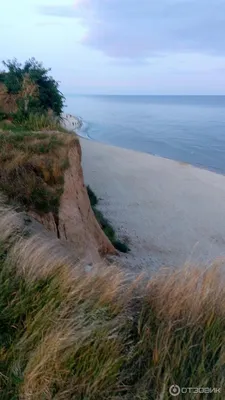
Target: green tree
pixel 13 77
pixel 49 95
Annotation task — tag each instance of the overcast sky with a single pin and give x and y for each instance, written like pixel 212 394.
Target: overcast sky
pixel 121 46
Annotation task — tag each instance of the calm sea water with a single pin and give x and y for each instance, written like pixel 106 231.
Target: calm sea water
pixel 184 128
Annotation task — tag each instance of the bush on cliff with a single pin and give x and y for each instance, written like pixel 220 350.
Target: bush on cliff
pixel 32 87
pixel 105 224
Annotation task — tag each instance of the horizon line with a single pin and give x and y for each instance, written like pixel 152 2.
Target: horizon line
pixel 153 95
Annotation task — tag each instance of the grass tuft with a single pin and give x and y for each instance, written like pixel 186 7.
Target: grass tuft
pixel 33 122
pixel 68 334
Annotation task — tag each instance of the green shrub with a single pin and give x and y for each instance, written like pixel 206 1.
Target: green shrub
pixel 3 115
pixel 92 196
pixel 105 224
pixel 121 246
pixel 49 95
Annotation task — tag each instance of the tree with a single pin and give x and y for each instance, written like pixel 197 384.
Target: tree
pixel 49 95
pixel 13 77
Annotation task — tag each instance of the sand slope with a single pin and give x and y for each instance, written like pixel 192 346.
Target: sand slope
pixel 171 212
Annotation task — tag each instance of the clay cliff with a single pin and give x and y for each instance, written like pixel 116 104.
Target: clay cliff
pixel 76 222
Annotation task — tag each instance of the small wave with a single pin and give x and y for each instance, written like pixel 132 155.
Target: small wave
pixel 84 129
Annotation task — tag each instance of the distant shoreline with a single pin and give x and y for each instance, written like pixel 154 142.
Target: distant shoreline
pixel 70 122
pixel 182 128
pixel 73 123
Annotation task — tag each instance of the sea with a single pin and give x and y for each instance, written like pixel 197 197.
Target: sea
pixel 189 129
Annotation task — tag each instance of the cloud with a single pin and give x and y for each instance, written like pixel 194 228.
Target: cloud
pixel 41 24
pixel 59 11
pixel 131 29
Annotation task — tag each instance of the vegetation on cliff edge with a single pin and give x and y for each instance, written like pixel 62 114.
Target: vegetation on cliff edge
pixel 32 166
pixel 28 89
pixel 33 152
pixel 33 146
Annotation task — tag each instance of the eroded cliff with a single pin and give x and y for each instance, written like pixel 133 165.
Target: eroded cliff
pixel 75 221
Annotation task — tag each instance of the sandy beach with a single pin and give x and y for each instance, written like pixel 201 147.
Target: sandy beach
pixel 171 212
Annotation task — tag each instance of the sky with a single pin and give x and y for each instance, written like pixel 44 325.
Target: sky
pixel 120 46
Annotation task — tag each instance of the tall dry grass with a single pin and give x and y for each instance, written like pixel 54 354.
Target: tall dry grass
pixel 70 334
pixel 32 166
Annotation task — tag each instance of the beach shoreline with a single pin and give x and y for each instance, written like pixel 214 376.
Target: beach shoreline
pixel 70 122
pixel 75 124
pixel 170 212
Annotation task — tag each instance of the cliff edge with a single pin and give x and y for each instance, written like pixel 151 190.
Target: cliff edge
pixel 42 172
pixel 76 221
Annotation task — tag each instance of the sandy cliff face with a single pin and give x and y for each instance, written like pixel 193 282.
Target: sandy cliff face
pixel 76 222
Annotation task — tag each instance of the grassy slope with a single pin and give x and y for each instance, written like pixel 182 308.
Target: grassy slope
pixel 67 334
pixel 32 166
